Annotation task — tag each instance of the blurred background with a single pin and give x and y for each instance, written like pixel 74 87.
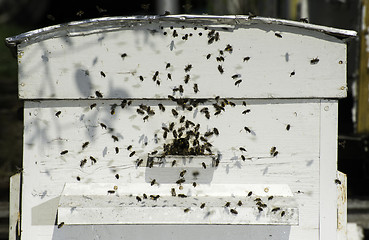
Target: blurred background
pixel 18 16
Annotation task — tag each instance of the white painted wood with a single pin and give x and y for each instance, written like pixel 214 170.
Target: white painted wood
pixel 328 167
pixel 46 136
pixel 14 206
pixel 341 183
pixel 75 67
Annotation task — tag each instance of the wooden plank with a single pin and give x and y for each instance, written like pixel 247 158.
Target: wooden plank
pixel 14 207
pixel 328 168
pixel 363 86
pixel 272 61
pixel 289 125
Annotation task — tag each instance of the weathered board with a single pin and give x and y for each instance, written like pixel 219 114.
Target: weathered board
pixel 150 59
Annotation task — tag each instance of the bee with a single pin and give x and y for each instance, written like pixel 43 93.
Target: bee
pixel 244 103
pixel 216 131
pixel 228 48
pixel 92 106
pixel 60 224
pixel 154 152
pixel 180 89
pixel 123 55
pixel 115 138
pixel 217 112
pixel 165 135
pixel 169 76
pixel 85 145
pixel 111 191
pixel 247 129
pixel 117 176
pixel 236 76
pixel 202 205
pixel 78 178
pixel 217 162
pixel 180 181
pixel 220 69
pixel 245 59
pixel 242 149
pixel 93 160
pixel 98 94
pixel 276 209
pixel 139 162
pixel 260 209
pixel 257 199
pixel 207 115
pixel 195 174
pixel 239 203
pixel 232 104
pixel 249 194
pixel 272 150
pixel 174 163
pixel 155 76
pixel 153 182
pixel 246 111
pixel 216 37
pixel 270 198
pixel 144 196
pixel 278 35
pixel 275 153
pixel 304 20
pixel 145 118
pixel 181 174
pixel 288 127
pixel 337 181
pixel 283 213
pixel 63 152
pixel 171 98
pixel 129 103
pixel 173 192
pixel 188 68
pixel 185 37
pixel 154 197
pixel 175 34
pixel 227 204
pixel 194 184
pixel 251 15
pixel 182 195
pixel 161 107
pixel 167 66
pixel 102 74
pixel 208 134
pixel 208 56
pixel 138 199
pixel 292 73
pixel 139 111
pixel 83 162
pixel 243 157
pixel 203 165
pixel 195 88
pixel 205 109
pixel 238 82
pixel 141 78
pixel 233 211
pixel 158 82
pixel 186 210
pixel 132 153
pixel 175 134
pixel 112 112
pixel 174 112
pixel 116 150
pixel 314 61
pixel 57 113
pixel 211 33
pixel 220 59
pixel 123 103
pixel 129 147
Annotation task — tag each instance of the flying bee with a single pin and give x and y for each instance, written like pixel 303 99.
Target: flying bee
pixel 123 55
pixel 161 107
pixel 314 61
pixel 173 192
pixel 63 152
pixel 85 145
pixel 195 88
pixel 246 111
pixel 174 163
pixel 93 160
pixel 245 59
pixel 181 174
pixel 116 150
pixel 98 94
pixel 167 66
pixel 233 211
pixel 115 138
pixel 292 73
pixel 278 35
pixel 228 48
pixel 202 205
pixel 180 181
pixel 187 78
pixel 186 210
pixel 132 153
pixel 174 112
pixel 220 69
pixel 288 127
pixel 138 199
pixel 153 182
pixel 249 194
pixel 247 129
pixel 92 106
pixel 141 78
pixel 139 162
pixel 203 165
pixel 57 113
pixel 283 213
pixel 239 203
pixel 181 195
pixel 208 56
pixel 270 198
pixel 102 74
pixel 227 204
pixel 238 82
pixel 83 162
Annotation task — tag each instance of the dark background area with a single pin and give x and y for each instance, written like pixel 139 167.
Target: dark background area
pixel 20 16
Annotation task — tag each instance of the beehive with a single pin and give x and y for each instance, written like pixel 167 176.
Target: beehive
pixel 181 127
